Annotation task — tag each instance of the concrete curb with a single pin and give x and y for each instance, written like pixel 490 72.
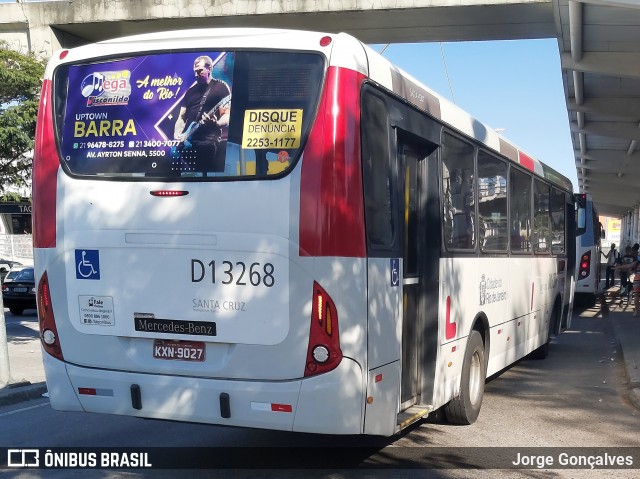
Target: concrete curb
pixel 18 392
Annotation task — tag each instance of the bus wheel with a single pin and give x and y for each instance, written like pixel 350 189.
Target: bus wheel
pixel 543 351
pixel 464 408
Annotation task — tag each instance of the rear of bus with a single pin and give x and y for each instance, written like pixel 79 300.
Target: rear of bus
pixel 588 236
pixel 226 294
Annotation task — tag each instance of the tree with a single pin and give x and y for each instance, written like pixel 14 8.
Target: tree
pixel 20 82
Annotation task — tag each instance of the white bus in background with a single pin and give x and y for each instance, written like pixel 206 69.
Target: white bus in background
pixel 359 253
pixel 589 232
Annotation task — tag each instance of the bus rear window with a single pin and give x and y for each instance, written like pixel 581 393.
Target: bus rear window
pixel 188 115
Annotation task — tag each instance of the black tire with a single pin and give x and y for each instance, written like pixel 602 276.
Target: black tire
pixel 543 351
pixel 585 300
pixel 16 310
pixel 465 407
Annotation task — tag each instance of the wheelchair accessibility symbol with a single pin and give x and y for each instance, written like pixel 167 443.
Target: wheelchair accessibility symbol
pixel 87 264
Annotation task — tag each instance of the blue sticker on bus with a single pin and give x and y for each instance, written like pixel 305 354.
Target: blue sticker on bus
pixel 87 264
pixel 395 272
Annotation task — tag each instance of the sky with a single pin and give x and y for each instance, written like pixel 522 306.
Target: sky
pixel 514 86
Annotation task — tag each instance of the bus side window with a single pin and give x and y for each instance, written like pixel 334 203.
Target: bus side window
pixel 458 192
pixel 377 176
pixel 541 221
pixel 520 210
pixel 557 207
pixel 492 203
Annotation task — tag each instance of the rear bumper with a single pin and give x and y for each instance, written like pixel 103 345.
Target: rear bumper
pixel 331 403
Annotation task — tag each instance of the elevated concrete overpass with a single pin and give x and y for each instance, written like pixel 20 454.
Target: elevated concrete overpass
pixel 599 44
pixel 43 26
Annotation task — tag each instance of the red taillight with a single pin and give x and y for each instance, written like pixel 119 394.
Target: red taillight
pixel 45 174
pixel 323 352
pixel 48 331
pixel 585 268
pixel 168 193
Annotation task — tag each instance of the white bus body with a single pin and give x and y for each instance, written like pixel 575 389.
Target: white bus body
pixel 340 271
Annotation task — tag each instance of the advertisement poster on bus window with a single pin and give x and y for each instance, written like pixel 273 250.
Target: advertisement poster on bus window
pixel 151 115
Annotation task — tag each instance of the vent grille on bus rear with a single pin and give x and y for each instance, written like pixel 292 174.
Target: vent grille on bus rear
pixel 287 81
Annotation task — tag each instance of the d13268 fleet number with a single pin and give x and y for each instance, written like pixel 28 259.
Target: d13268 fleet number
pixel 229 272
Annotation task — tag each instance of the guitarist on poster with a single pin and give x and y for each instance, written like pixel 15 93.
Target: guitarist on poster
pixel 204 111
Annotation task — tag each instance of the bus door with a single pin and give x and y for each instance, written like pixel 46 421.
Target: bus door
pixel 392 159
pixel 411 285
pixel 420 252
pixel 570 247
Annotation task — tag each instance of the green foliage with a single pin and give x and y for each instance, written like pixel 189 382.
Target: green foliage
pixel 20 82
pixel 11 197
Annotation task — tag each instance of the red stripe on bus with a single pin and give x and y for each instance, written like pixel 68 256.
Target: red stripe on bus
pixel 45 174
pixel 532 291
pixel 331 197
pixel 526 161
pixel 450 326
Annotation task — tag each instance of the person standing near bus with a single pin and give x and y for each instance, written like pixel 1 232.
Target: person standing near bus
pixel 626 260
pixel 633 267
pixel 203 113
pixel 611 257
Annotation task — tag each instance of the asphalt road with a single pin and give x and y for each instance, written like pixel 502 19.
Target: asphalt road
pixel 576 398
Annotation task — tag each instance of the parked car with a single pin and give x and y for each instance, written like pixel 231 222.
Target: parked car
pixel 19 290
pixel 13 272
pixel 5 266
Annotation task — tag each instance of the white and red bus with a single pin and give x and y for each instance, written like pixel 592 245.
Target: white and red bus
pixel 589 233
pixel 358 252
